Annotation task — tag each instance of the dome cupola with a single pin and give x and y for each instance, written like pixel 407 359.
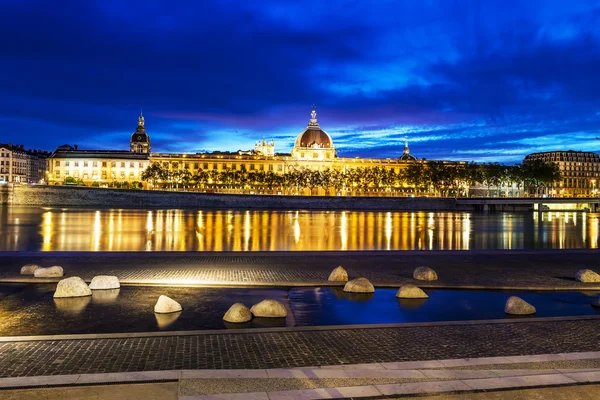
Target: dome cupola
pixel 313 143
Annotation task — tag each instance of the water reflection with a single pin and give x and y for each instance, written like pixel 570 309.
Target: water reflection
pixel 75 229
pixel 164 320
pixel 72 305
pixel 105 296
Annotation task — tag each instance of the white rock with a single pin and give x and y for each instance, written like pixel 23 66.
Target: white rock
pixel 587 275
pixel 72 287
pixel 238 313
pixel 359 285
pixel 29 269
pixel 411 292
pixel 338 275
pixel 105 282
pixel 166 305
pixel 50 272
pixel 425 274
pixel 518 306
pixel 269 308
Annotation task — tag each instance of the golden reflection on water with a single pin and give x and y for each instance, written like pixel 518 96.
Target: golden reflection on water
pixel 229 230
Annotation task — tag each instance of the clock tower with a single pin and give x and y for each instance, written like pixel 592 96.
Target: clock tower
pixel 140 141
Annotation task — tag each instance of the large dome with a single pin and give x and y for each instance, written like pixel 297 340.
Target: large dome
pixel 314 137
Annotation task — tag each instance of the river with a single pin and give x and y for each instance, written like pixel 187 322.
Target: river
pixel 85 229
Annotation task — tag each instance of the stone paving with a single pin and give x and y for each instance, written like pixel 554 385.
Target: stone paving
pixel 289 349
pixel 509 269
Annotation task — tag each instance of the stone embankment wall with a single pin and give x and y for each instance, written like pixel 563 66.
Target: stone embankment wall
pixel 25 195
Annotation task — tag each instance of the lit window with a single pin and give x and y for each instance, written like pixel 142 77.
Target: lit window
pixel 113 164
pixel 251 167
pixel 77 163
pixel 95 164
pixel 85 163
pixel 122 165
pixel 103 163
pixel 131 165
pixel 57 163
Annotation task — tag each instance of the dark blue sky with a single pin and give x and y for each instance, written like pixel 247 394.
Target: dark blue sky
pixel 464 80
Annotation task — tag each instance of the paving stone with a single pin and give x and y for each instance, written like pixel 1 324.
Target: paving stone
pixel 325 393
pixel 520 381
pixel 422 387
pixel 537 268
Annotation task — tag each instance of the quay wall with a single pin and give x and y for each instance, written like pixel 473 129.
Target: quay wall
pixel 70 196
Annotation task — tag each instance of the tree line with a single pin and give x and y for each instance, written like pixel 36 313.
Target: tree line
pixel 429 178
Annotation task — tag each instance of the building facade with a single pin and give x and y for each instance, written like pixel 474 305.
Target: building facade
pixel 580 171
pixel 18 165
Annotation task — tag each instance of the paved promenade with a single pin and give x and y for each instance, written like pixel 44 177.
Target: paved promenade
pixel 545 269
pixel 386 347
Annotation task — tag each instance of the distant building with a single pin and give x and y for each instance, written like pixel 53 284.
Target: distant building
pixel 102 166
pixel 580 171
pixel 313 149
pixel 18 165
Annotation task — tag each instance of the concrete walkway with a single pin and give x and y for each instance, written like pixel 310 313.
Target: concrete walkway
pixel 348 381
pixel 541 270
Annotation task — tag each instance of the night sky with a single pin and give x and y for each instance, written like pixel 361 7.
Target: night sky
pixel 462 80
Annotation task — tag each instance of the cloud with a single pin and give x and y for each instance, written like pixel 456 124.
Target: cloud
pixel 466 80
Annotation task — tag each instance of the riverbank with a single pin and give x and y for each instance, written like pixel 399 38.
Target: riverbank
pixel 68 196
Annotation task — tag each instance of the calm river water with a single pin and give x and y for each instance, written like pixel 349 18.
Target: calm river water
pixel 84 229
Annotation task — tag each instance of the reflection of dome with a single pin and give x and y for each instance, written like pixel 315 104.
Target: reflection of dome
pixel 314 137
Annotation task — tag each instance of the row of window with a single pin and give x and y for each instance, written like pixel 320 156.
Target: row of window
pixel 15 163
pixel 216 166
pixel 104 164
pixel 94 175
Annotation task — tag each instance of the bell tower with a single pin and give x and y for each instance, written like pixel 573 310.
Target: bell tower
pixel 140 141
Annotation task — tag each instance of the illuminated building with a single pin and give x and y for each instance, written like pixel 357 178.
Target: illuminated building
pixel 18 165
pixel 313 149
pixel 102 166
pixel 580 171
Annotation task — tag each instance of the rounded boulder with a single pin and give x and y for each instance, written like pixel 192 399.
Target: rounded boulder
pixel 166 305
pixel 338 275
pixel 411 292
pixel 518 306
pixel 29 269
pixel 359 285
pixel 269 308
pixel 425 274
pixel 105 282
pixel 587 276
pixel 72 287
pixel 237 313
pixel 50 272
